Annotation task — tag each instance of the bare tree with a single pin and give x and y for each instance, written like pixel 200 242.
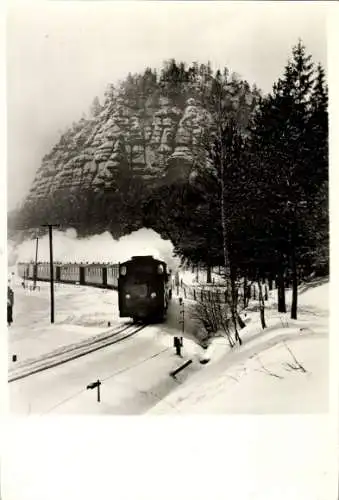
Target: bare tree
pixel 213 316
pixel 225 127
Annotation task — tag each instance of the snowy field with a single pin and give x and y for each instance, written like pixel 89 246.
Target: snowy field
pixel 283 369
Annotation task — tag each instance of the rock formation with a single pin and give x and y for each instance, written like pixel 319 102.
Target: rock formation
pixel 143 130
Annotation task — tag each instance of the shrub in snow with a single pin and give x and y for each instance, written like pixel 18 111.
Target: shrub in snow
pixel 211 317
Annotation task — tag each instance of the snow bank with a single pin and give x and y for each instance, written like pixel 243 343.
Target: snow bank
pixel 283 369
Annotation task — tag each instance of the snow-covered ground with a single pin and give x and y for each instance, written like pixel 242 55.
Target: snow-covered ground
pixel 134 376
pixel 134 373
pixel 80 312
pixel 200 277
pixel 283 369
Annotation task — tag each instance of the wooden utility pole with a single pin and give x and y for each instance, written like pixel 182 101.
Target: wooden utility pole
pixel 36 263
pixel 50 228
pixel 51 270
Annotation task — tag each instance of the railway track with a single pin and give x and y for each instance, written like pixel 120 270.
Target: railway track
pixel 73 351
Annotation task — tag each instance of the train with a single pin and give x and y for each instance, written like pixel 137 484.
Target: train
pixel 99 275
pixel 144 289
pixel 143 284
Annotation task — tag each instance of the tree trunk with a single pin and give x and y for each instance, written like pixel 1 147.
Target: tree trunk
pixel 281 292
pixel 228 278
pixel 209 274
pixel 223 225
pixel 294 306
pixel 234 307
pixel 229 274
pixel 245 292
pixel 270 283
pixel 242 324
pixel 261 305
pixel 143 128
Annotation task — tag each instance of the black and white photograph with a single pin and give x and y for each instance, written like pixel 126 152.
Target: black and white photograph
pixel 170 171
pixel 168 218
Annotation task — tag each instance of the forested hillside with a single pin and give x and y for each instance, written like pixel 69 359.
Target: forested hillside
pixel 258 205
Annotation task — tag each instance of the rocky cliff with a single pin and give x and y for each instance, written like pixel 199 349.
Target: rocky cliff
pixel 148 128
pixel 93 153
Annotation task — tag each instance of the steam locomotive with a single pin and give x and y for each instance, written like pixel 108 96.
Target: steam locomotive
pixel 144 289
pixel 143 282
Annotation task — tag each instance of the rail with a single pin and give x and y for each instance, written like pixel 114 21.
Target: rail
pixel 71 352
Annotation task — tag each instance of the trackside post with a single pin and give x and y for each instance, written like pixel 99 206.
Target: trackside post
pixel 177 345
pixel 182 320
pixel 94 385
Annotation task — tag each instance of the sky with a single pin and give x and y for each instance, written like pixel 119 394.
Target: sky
pixel 60 55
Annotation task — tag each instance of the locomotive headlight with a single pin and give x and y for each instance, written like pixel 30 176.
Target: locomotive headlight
pixel 128 296
pixel 153 295
pixel 123 270
pixel 160 269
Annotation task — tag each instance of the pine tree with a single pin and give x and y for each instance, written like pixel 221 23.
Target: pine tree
pixel 96 107
pixel 285 129
pixel 316 181
pixel 318 134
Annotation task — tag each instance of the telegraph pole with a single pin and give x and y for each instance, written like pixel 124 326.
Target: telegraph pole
pixel 36 263
pixel 51 270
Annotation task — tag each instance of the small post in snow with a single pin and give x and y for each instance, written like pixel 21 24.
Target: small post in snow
pixel 177 345
pixel 94 385
pixel 182 320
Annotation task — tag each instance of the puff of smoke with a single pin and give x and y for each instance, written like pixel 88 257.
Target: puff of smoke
pixel 67 247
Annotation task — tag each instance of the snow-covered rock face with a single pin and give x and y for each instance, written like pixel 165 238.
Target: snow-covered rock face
pixel 194 122
pixel 148 139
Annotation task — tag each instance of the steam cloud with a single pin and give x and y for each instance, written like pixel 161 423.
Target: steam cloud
pixel 67 247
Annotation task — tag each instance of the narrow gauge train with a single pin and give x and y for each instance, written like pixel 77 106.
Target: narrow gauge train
pixel 99 275
pixel 143 282
pixel 144 289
